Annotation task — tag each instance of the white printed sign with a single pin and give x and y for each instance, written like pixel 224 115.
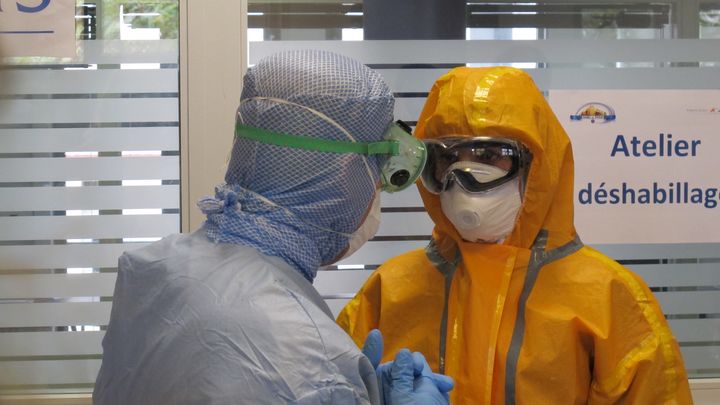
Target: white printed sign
pixel 647 164
pixel 37 28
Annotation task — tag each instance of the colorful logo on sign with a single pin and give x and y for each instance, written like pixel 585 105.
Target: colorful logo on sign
pixel 711 110
pixel 595 113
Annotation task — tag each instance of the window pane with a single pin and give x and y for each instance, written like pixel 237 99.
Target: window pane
pixel 89 168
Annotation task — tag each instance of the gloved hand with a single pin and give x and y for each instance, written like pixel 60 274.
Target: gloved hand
pixel 408 379
pixel 373 347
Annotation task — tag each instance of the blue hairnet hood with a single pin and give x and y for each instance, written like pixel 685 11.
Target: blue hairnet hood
pixel 297 204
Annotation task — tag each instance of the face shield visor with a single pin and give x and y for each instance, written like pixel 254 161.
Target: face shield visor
pixel 477 164
pixel 402 156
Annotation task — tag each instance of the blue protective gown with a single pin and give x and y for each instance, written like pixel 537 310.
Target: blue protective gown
pixel 198 322
pixel 227 315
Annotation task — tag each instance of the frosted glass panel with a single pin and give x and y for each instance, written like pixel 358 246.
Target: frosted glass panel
pixel 98 81
pixel 52 257
pixel 90 198
pixel 50 140
pixel 22 113
pixel 86 227
pixel 54 314
pixel 89 168
pixel 49 343
pixel 50 374
pixel 555 52
pixel 57 285
pixel 41 169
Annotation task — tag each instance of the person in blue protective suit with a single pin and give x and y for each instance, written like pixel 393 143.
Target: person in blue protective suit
pixel 228 314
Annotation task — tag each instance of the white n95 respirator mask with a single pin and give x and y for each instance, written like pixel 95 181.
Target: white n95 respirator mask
pixel 486 217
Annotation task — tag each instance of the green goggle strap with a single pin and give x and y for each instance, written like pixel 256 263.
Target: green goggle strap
pixel 315 144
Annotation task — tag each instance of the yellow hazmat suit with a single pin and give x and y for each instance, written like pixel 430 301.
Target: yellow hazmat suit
pixel 540 318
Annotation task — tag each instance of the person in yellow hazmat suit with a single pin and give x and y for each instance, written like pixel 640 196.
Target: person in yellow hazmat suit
pixel 506 299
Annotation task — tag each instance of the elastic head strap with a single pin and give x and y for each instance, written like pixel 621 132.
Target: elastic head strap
pixel 315 144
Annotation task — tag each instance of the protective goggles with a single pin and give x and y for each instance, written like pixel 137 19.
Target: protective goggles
pixel 405 160
pixel 476 164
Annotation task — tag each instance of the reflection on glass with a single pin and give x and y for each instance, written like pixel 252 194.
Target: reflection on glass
pixel 710 20
pixel 491 20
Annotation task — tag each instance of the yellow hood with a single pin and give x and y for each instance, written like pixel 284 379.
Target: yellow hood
pixel 504 102
pixel 511 324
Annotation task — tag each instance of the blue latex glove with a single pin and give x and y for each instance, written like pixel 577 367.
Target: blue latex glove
pixel 421 368
pixel 373 347
pixel 408 379
pixel 401 386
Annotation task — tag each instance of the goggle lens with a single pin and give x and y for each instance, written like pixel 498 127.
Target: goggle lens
pixel 476 164
pixel 399 171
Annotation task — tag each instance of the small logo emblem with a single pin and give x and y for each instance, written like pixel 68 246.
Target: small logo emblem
pixel 710 110
pixel 595 112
